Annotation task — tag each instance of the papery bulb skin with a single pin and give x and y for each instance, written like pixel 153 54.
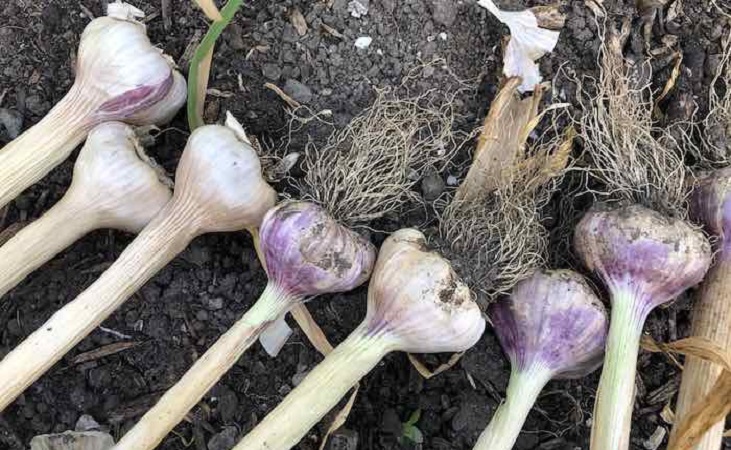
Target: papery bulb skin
pixel 221 176
pixel 123 75
pixel 711 204
pixel 553 320
pixel 309 253
pixel 638 251
pixel 114 177
pixel 416 297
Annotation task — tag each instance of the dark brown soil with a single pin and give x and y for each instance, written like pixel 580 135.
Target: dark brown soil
pixel 181 312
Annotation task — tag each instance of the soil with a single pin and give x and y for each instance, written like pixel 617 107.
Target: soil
pixel 181 312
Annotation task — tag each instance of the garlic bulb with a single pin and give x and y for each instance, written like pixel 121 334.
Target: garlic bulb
pixel 220 175
pixel 114 178
pixel 120 76
pixel 416 298
pixel 641 254
pixel 551 326
pixel 645 260
pixel 308 253
pixel 114 186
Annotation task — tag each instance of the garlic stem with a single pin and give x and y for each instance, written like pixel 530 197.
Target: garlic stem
pixel 33 154
pixel 616 394
pixel 319 392
pixel 166 236
pixel 199 379
pixel 43 239
pixel 711 320
pixel 505 426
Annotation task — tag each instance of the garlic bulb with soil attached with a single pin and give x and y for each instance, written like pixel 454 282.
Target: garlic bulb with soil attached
pixel 711 205
pixel 416 304
pixel 120 76
pixel 645 259
pixel 552 326
pixel 219 187
pixel 306 254
pixel 114 186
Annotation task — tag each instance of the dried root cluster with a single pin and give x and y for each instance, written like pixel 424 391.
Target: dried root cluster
pixel 369 168
pixel 493 229
pixel 632 158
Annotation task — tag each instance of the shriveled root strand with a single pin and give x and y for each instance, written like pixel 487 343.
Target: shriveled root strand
pixel 717 125
pixel 634 159
pixel 500 239
pixel 368 169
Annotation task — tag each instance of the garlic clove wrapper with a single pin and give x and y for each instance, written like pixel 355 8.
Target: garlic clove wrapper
pixel 221 176
pixel 114 178
pixel 553 320
pixel 416 297
pixel 309 253
pixel 635 249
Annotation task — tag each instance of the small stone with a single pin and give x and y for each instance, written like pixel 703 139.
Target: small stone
pixel 298 377
pixel 298 91
pixel 343 439
pixel 444 12
pixel 358 8
pixel 452 181
pixel 234 34
pixel 35 105
pixel 390 422
pixel 225 440
pixel 228 405
pixel 432 187
pixel 12 121
pixel 86 423
pixel 443 36
pixel 290 34
pixel 271 71
pixel 363 42
pixel 214 304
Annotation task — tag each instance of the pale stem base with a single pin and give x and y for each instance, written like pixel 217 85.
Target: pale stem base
pixel 318 393
pixel 616 394
pixel 505 426
pixel 166 236
pixel 711 320
pixel 40 241
pixel 205 373
pixel 34 153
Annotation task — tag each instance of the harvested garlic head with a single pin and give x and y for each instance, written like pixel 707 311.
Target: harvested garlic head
pixel 114 178
pixel 416 298
pixel 220 175
pixel 122 75
pixel 711 203
pixel 638 251
pixel 309 253
pixel 552 320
